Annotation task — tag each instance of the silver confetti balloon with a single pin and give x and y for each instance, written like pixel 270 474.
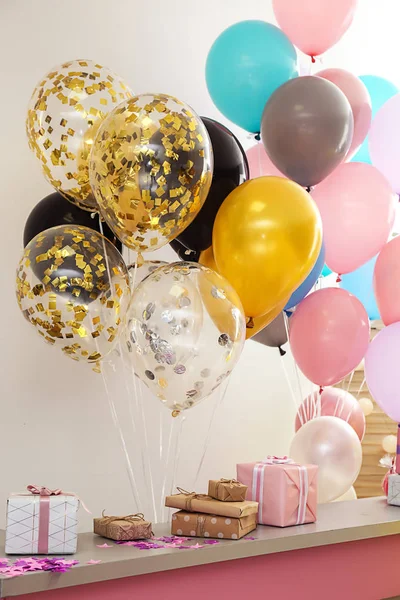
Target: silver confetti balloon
pixel 185 333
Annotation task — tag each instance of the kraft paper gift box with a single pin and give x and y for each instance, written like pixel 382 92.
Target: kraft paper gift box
pixel 393 496
pixel 42 522
pixel 286 491
pixel 131 527
pixel 227 490
pixel 212 526
pixel 192 502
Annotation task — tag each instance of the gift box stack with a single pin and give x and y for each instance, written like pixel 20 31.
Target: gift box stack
pixel 222 513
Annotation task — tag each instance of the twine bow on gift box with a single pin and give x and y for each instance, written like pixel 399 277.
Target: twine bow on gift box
pixel 128 518
pixel 192 496
pixel 235 488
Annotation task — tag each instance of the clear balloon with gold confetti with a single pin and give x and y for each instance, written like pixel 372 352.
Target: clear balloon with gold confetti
pixel 73 286
pixel 151 169
pixel 175 344
pixel 64 115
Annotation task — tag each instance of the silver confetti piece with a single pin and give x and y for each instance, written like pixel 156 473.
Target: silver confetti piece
pixel 180 369
pixel 224 339
pixel 218 293
pixel 167 316
pixel 150 375
pixel 183 302
pixel 205 373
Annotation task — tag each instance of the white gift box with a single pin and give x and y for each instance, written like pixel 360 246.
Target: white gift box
pixel 38 524
pixel 394 489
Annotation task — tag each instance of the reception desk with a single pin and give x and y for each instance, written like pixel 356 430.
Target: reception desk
pixel 350 553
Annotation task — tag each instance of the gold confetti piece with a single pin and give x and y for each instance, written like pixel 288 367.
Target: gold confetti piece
pixel 96 320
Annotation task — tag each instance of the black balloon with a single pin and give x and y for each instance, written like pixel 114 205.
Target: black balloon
pixel 230 170
pixel 183 252
pixel 56 210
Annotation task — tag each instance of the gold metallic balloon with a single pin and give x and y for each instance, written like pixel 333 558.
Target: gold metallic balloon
pixel 174 343
pixel 151 169
pixel 73 287
pixel 64 114
pixel 254 325
pixel 266 239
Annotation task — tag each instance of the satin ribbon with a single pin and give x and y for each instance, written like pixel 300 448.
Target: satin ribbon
pixel 44 494
pixel 258 485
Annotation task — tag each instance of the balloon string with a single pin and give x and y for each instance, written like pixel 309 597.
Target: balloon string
pixel 259 158
pixel 147 468
pixel 299 409
pixel 115 419
pixel 350 380
pixel 216 406
pixel 302 407
pixel 177 454
pixel 164 484
pixel 136 398
pixel 114 413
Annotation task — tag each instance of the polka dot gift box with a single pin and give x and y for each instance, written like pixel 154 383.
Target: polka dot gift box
pixel 212 526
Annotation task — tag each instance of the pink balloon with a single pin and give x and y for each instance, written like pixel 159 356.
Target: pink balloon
pixel 314 26
pixel 329 335
pixel 357 207
pixel 360 102
pixel 332 402
pixel 383 142
pixel 260 164
pixel 387 281
pixel 382 370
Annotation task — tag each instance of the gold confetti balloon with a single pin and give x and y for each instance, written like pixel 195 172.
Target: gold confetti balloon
pixel 175 344
pixel 64 115
pixel 151 169
pixel 73 287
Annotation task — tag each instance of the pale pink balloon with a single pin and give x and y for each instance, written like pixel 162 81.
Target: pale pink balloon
pixel 360 102
pixel 357 207
pixel 332 402
pixel 329 335
pixel 387 281
pixel 260 164
pixel 384 147
pixel 314 26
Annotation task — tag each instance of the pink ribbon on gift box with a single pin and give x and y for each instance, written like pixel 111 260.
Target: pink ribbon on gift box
pixel 44 512
pixel 258 484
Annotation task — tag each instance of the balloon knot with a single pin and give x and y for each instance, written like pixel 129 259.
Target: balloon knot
pixel 321 389
pixel 308 188
pixel 313 59
pixel 250 323
pixel 176 413
pixel 257 136
pixel 282 352
pixel 338 279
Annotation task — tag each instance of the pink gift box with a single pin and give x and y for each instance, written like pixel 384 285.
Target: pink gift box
pixel 285 490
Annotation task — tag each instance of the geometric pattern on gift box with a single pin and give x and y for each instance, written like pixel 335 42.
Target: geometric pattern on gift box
pixel 394 490
pixel 22 530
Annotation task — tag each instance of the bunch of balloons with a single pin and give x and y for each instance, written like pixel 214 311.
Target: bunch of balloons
pixel 129 170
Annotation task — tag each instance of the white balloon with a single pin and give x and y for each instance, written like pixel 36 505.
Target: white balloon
pixel 349 495
pixel 367 406
pixel 389 444
pixel 334 446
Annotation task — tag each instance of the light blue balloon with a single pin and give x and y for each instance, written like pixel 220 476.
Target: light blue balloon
pixel 245 65
pixel 326 271
pixel 380 91
pixel 308 283
pixel 359 283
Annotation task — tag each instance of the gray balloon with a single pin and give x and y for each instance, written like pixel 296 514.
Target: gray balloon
pixel 307 128
pixel 274 334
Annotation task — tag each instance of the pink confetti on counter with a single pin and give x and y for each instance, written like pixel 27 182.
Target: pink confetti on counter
pixel 103 546
pixel 30 564
pixel 211 542
pixel 93 562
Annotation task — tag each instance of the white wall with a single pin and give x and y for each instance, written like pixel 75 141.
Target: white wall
pixel 55 424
